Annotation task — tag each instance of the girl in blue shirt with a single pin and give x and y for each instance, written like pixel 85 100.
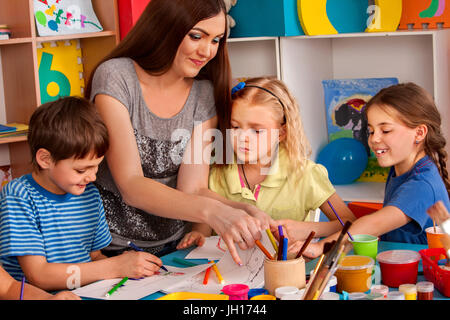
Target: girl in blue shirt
pixel 405 134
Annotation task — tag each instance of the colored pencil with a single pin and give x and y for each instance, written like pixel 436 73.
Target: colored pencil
pixel 263 249
pixel 272 239
pixel 117 286
pixel 205 279
pixel 136 248
pixel 285 248
pixel 305 245
pixel 280 231
pixel 22 288
pixel 219 276
pixel 280 248
pixel 339 218
pixel 184 262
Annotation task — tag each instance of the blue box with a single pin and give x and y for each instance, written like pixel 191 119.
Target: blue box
pixel 265 18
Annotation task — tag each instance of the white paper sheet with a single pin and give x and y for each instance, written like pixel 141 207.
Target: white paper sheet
pixel 137 289
pixel 251 273
pixel 211 249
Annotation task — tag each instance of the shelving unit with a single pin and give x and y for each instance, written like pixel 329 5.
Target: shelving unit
pixel 304 61
pixel 20 70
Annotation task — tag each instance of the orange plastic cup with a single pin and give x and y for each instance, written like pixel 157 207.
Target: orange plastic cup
pixel 355 274
pixel 434 238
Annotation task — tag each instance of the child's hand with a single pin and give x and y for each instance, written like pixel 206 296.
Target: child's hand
pixel 191 238
pixel 296 230
pixel 438 212
pixel 65 295
pixel 313 250
pixel 137 264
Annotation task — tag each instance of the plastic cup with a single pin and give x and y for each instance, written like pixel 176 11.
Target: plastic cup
pixel 256 292
pixel 380 289
pixel 434 238
pixel 283 291
pixel 425 290
pixel 409 290
pixel 236 291
pixel 365 245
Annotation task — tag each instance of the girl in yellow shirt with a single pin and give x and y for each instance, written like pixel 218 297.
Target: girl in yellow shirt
pixel 270 169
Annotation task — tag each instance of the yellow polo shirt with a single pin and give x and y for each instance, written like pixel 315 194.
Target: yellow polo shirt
pixel 279 195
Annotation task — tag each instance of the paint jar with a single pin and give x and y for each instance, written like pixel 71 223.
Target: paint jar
pixel 396 295
pixel 354 274
pixel 256 292
pixel 236 291
pixel 375 296
pixel 398 267
pixel 263 297
pixel 296 296
pixel 330 296
pixel 381 289
pixel 284 273
pixel 365 245
pixel 357 296
pixel 332 285
pixel 425 290
pixel 409 290
pixel 282 291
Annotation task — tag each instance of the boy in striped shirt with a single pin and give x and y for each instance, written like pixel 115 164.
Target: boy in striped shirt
pixel 52 221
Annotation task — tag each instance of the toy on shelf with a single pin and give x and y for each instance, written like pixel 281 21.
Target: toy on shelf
pixel 419 14
pixel 56 17
pixel 60 69
pixel 5 32
pixel 231 22
pixel 384 16
pixel 319 17
pixel 129 13
pixel 265 18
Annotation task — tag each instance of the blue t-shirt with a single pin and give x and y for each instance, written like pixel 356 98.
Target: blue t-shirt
pixel 413 193
pixel 62 228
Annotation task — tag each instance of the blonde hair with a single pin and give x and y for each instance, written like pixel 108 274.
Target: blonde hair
pixel 285 107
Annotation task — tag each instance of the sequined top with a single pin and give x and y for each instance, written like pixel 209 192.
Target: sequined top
pixel 161 143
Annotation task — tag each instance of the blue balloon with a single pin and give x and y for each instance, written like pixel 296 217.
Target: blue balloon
pixel 345 159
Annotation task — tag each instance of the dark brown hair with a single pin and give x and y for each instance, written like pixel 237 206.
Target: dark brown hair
pixel 415 106
pixel 68 127
pixel 153 43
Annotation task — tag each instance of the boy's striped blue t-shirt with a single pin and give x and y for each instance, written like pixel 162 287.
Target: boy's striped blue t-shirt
pixel 62 228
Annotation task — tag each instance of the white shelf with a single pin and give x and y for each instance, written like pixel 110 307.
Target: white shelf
pixel 302 62
pixel 361 191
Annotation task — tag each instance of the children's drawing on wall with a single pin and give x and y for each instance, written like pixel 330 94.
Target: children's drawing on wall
pixel 345 100
pixel 5 175
pixel 58 17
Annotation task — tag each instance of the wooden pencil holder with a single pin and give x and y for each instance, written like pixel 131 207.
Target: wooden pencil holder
pixel 282 273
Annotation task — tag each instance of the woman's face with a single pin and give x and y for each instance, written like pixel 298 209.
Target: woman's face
pixel 199 46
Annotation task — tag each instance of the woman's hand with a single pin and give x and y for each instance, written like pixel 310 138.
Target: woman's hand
pixel 235 226
pixel 266 221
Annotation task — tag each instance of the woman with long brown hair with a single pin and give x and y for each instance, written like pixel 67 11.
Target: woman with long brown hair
pixel 167 81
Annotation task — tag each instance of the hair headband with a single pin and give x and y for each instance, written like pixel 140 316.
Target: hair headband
pixel 242 85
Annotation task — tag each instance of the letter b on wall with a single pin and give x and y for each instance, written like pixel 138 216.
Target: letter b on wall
pixel 53 84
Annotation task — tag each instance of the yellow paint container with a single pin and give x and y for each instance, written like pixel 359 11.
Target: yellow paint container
pixel 354 274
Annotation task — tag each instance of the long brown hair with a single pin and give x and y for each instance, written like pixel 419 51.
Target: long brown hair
pixel 415 106
pixel 153 43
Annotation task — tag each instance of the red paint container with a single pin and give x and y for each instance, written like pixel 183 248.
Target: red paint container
pixel 398 267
